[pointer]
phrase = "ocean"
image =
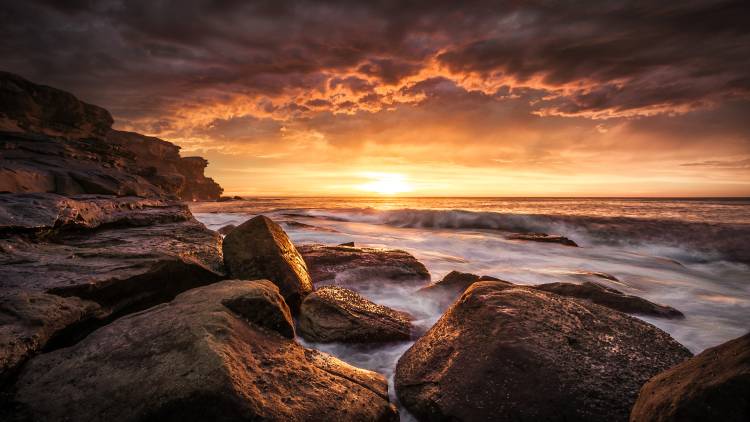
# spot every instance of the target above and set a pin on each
(692, 254)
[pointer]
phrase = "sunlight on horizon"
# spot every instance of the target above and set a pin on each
(385, 183)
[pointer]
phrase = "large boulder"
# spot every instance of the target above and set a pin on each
(350, 265)
(71, 264)
(52, 142)
(515, 353)
(611, 298)
(335, 314)
(712, 386)
(199, 358)
(259, 248)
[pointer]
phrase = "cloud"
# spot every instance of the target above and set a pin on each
(722, 164)
(546, 86)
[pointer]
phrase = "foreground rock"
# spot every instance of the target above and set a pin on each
(543, 237)
(259, 248)
(199, 358)
(69, 264)
(712, 386)
(445, 291)
(335, 314)
(346, 264)
(52, 142)
(611, 298)
(515, 353)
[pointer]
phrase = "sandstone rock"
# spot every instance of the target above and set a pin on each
(69, 264)
(46, 212)
(196, 359)
(263, 306)
(611, 298)
(28, 107)
(335, 314)
(357, 265)
(543, 237)
(226, 229)
(52, 142)
(259, 248)
(712, 386)
(516, 353)
(445, 291)
(29, 320)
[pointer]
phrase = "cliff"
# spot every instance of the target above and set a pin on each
(52, 142)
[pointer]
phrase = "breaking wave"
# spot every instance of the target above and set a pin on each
(695, 241)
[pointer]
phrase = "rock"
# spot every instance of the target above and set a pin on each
(29, 320)
(335, 314)
(349, 244)
(264, 307)
(712, 386)
(30, 108)
(259, 248)
(196, 359)
(41, 213)
(71, 264)
(291, 224)
(52, 142)
(226, 198)
(226, 229)
(345, 264)
(515, 353)
(611, 298)
(445, 291)
(543, 237)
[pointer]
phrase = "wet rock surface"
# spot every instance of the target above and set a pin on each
(259, 248)
(52, 142)
(335, 314)
(196, 359)
(450, 287)
(611, 298)
(712, 386)
(515, 353)
(29, 320)
(543, 237)
(352, 264)
(69, 264)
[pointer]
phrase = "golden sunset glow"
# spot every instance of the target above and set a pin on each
(386, 184)
(470, 101)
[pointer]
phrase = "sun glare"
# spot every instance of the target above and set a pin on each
(386, 183)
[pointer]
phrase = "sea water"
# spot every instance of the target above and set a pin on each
(691, 254)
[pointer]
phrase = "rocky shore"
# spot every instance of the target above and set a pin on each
(117, 305)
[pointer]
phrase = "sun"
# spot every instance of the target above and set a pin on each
(385, 183)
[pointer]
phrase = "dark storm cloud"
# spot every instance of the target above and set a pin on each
(597, 59)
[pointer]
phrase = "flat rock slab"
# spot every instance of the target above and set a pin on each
(73, 261)
(335, 314)
(712, 386)
(347, 264)
(515, 353)
(611, 298)
(259, 248)
(197, 359)
(44, 212)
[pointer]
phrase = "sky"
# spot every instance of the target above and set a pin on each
(419, 98)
